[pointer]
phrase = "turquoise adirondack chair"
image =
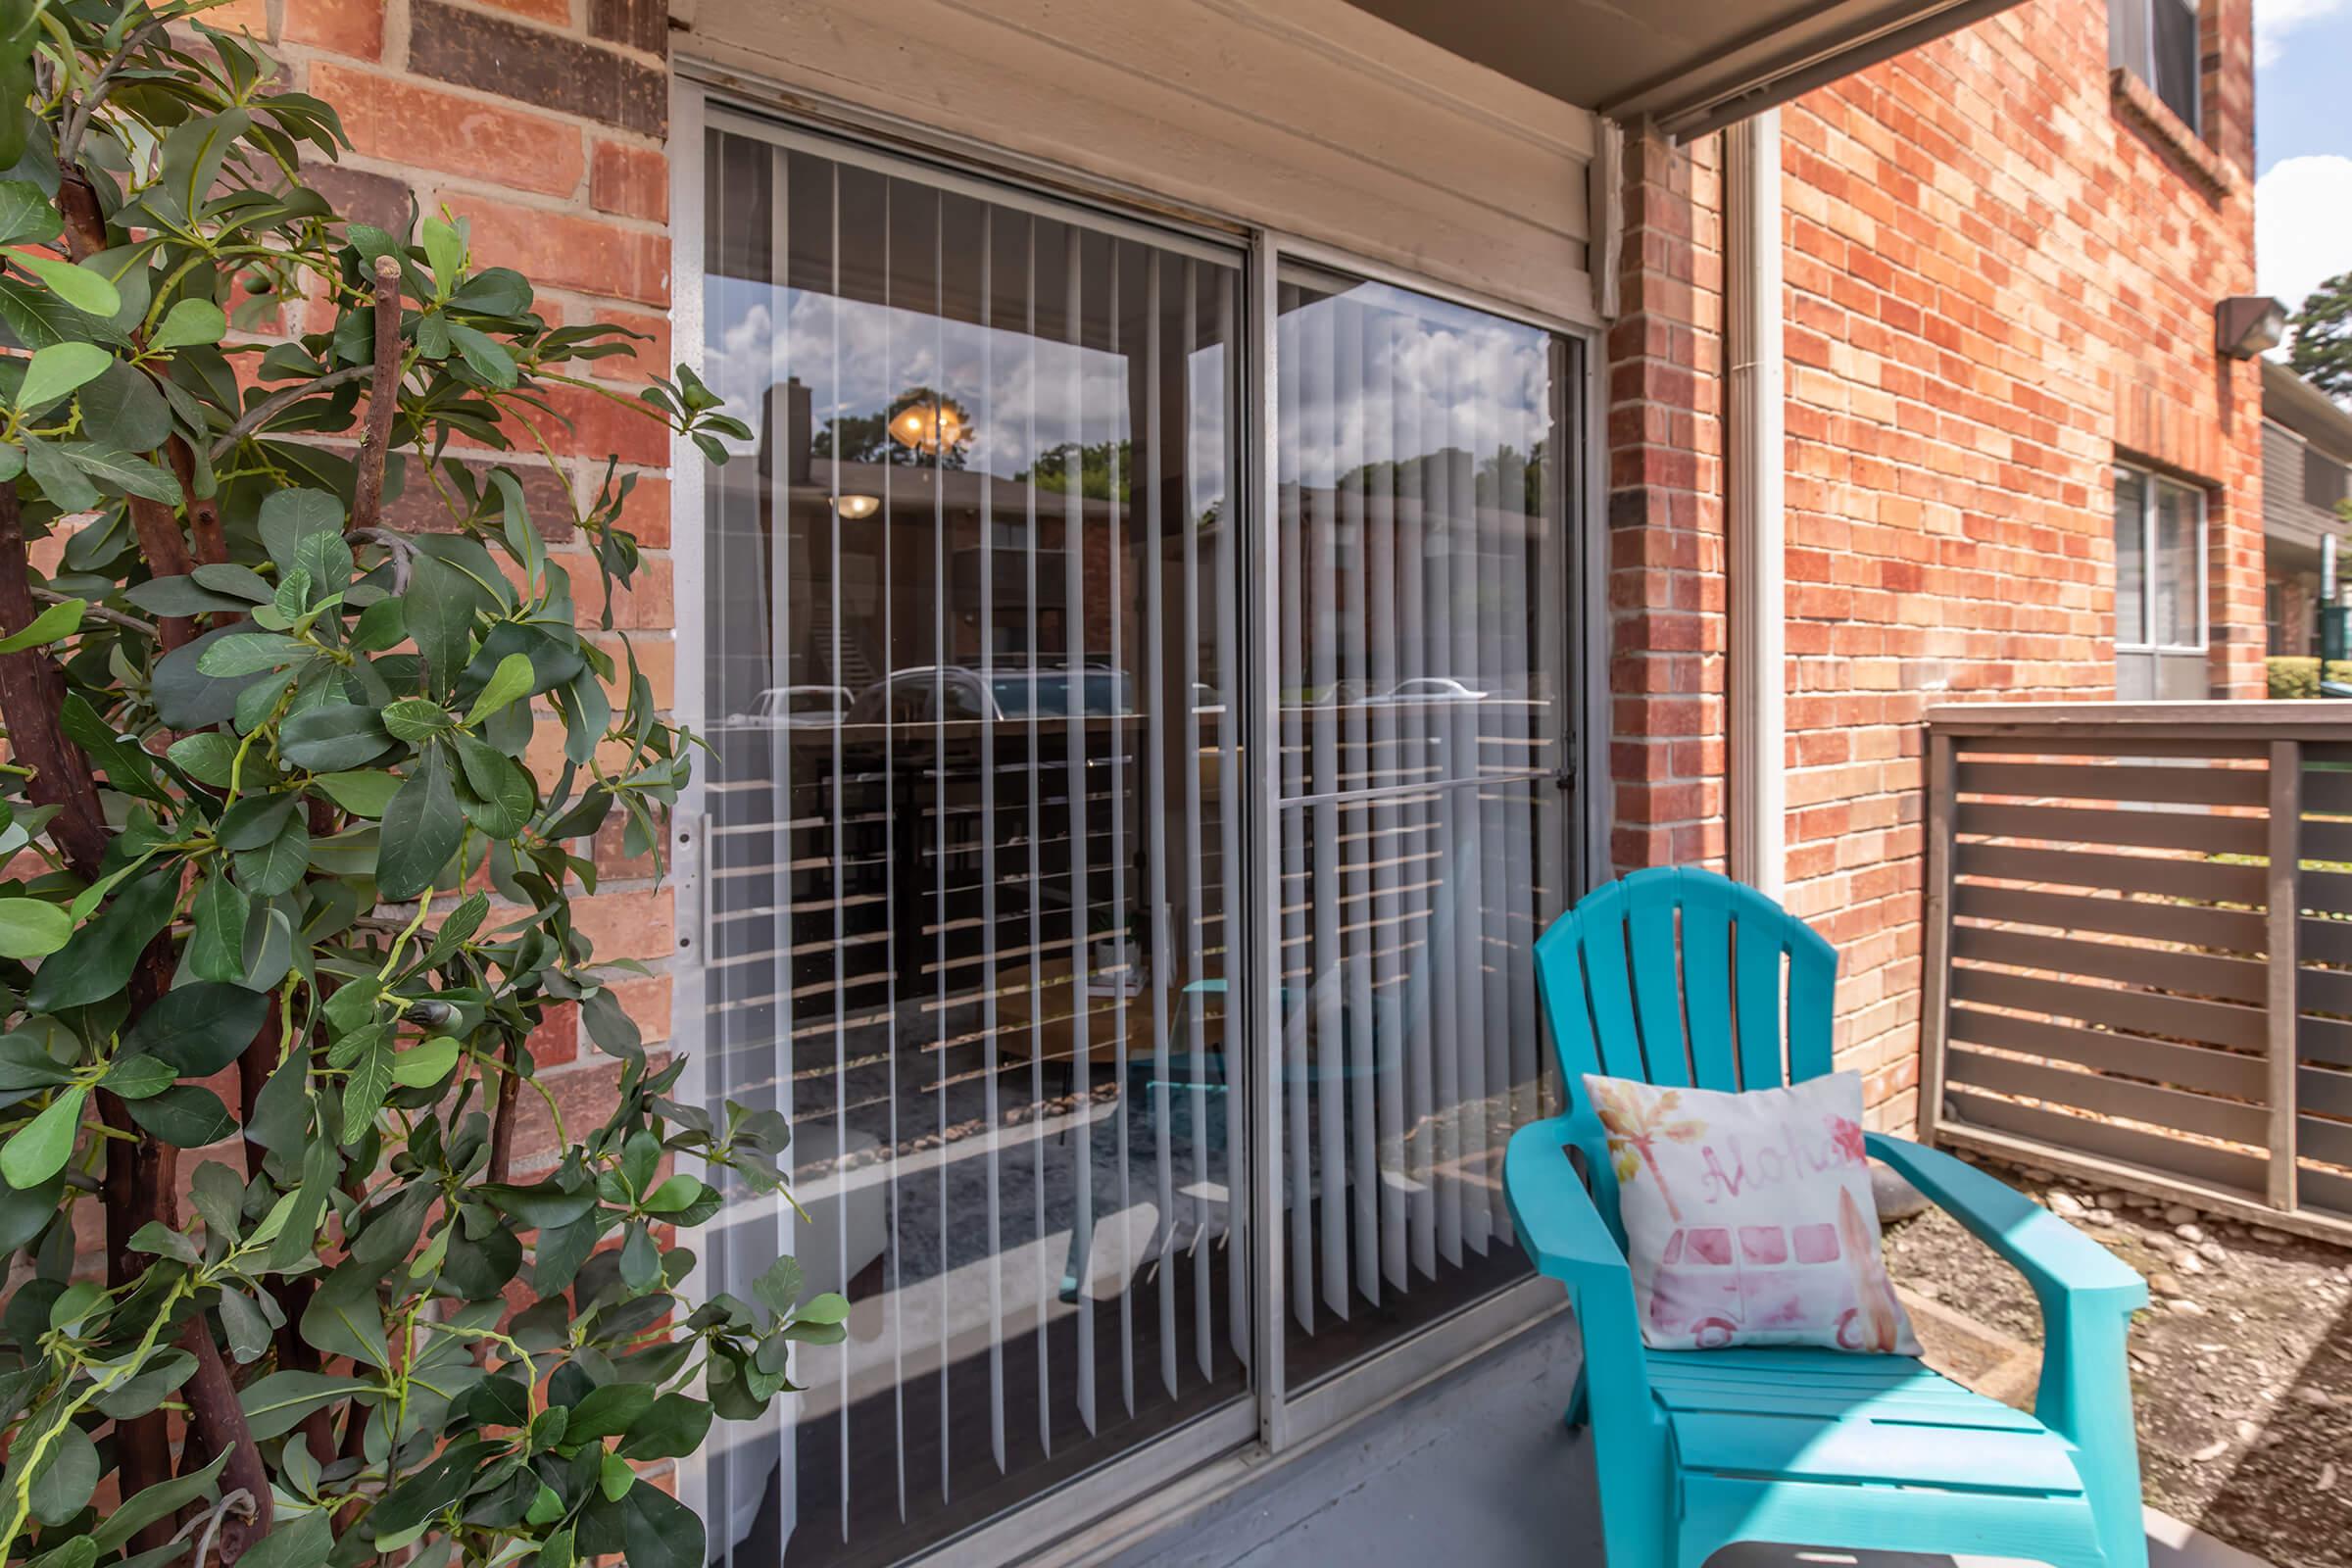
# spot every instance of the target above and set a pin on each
(1698, 1449)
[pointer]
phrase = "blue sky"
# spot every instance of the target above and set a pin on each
(2303, 143)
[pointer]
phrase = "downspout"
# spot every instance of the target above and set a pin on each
(1757, 760)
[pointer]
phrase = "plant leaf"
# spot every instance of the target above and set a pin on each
(56, 621)
(648, 1527)
(360, 793)
(97, 963)
(422, 828)
(334, 738)
(184, 1115)
(345, 1318)
(38, 1150)
(425, 1064)
(673, 1427)
(607, 1411)
(510, 680)
(78, 286)
(57, 371)
(275, 1404)
(189, 321)
(200, 1028)
(120, 470)
(249, 653)
(364, 1088)
(216, 949)
(139, 1077)
(25, 213)
(32, 928)
(67, 1476)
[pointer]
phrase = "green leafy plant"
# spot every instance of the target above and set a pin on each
(2290, 676)
(276, 830)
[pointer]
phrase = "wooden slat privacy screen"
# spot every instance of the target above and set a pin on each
(2138, 960)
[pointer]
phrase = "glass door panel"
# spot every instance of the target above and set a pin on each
(974, 816)
(1421, 683)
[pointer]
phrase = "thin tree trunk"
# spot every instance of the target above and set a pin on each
(32, 693)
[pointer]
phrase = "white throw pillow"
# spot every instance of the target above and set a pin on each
(1748, 1218)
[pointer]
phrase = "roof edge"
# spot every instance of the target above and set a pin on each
(2299, 396)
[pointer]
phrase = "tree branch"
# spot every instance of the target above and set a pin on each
(383, 399)
(167, 551)
(270, 407)
(217, 1421)
(77, 123)
(397, 547)
(90, 611)
(203, 513)
(501, 1123)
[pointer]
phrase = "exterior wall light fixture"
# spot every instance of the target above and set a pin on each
(2248, 324)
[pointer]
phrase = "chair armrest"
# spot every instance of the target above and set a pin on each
(2064, 1266)
(1560, 1228)
(1558, 1225)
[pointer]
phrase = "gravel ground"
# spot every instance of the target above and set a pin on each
(2241, 1368)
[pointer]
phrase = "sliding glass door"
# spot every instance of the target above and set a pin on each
(970, 644)
(1420, 658)
(978, 908)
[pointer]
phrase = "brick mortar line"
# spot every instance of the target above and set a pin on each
(578, 28)
(307, 55)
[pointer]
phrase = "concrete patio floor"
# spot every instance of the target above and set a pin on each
(1477, 1469)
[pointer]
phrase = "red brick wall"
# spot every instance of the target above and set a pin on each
(2000, 278)
(540, 123)
(1665, 512)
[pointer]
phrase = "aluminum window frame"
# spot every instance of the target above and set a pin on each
(2152, 485)
(2131, 45)
(1266, 1421)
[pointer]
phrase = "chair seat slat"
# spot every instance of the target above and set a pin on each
(1874, 1452)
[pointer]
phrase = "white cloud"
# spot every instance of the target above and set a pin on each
(2274, 20)
(2303, 224)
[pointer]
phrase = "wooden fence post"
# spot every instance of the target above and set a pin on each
(1936, 971)
(2285, 906)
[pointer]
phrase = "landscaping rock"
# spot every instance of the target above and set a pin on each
(1895, 1197)
(2271, 1318)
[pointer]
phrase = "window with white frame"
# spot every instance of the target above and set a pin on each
(2156, 40)
(2159, 563)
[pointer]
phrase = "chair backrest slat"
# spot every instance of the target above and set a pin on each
(1756, 957)
(1707, 983)
(1606, 971)
(1812, 990)
(1658, 991)
(1672, 976)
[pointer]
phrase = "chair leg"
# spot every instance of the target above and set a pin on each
(1579, 1403)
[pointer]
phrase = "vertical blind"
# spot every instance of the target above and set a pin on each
(976, 691)
(971, 641)
(1420, 679)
